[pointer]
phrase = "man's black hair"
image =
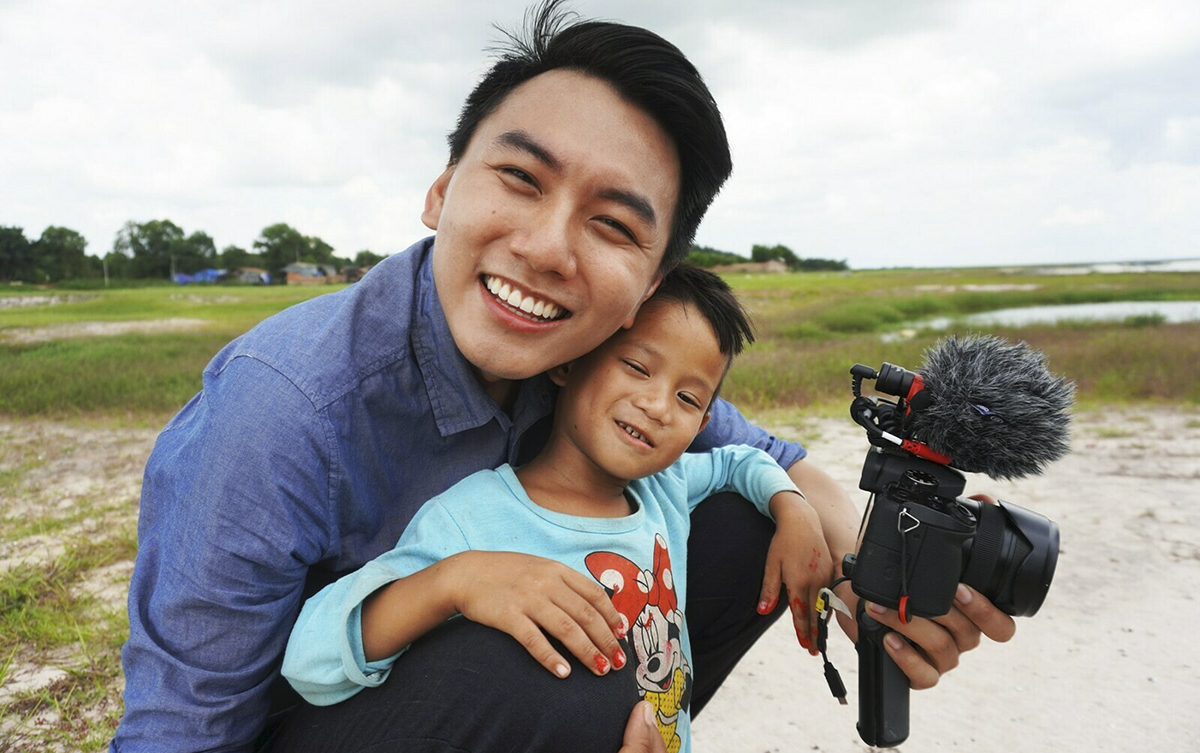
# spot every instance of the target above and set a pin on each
(716, 302)
(646, 70)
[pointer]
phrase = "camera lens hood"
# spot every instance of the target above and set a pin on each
(1013, 557)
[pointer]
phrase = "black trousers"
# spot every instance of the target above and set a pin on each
(466, 687)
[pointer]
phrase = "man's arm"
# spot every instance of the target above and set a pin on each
(234, 505)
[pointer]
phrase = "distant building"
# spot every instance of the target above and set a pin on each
(303, 273)
(252, 276)
(774, 266)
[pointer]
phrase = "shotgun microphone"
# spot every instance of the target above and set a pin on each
(992, 406)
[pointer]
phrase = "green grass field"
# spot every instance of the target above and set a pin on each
(812, 328)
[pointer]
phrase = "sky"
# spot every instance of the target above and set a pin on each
(886, 134)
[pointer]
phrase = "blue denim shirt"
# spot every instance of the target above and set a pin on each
(315, 439)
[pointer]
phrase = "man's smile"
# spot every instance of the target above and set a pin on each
(523, 303)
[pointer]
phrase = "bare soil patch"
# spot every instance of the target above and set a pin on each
(69, 330)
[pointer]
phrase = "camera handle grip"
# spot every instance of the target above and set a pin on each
(882, 687)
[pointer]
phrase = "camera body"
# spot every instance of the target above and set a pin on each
(921, 539)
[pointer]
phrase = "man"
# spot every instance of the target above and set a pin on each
(579, 171)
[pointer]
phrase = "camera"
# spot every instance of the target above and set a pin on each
(920, 538)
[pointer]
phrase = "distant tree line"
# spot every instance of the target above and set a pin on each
(155, 250)
(703, 256)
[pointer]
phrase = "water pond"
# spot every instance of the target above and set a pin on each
(1169, 312)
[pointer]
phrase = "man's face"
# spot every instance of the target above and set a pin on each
(552, 225)
(633, 405)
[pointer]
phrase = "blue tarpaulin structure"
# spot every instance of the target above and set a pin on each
(203, 276)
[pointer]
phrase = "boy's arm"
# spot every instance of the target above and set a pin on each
(348, 636)
(799, 556)
(749, 471)
(350, 633)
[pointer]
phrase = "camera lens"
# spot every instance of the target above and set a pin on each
(1012, 557)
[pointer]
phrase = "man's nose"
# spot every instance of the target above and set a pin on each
(548, 245)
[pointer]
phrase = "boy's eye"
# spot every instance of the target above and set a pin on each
(636, 366)
(691, 400)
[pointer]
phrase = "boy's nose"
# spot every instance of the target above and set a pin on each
(654, 404)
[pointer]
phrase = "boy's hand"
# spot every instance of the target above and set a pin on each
(799, 559)
(524, 595)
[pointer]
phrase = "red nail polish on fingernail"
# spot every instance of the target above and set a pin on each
(619, 659)
(800, 637)
(600, 663)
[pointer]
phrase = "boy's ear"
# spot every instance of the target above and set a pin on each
(435, 198)
(558, 374)
(704, 421)
(658, 278)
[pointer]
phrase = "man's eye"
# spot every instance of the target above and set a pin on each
(519, 174)
(617, 226)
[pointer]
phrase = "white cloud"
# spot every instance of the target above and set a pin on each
(1069, 215)
(933, 132)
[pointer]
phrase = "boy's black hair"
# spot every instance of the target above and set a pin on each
(646, 70)
(715, 301)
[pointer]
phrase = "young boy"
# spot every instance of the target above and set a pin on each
(609, 495)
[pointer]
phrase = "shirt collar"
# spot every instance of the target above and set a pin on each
(458, 401)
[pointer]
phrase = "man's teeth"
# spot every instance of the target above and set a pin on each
(526, 303)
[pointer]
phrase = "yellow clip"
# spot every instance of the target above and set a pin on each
(827, 601)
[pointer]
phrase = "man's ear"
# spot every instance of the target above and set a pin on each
(658, 278)
(558, 374)
(435, 198)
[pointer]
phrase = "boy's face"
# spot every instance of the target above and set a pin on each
(633, 405)
(562, 203)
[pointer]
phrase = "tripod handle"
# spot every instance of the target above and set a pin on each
(882, 687)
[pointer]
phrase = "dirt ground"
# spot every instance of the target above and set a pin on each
(1108, 664)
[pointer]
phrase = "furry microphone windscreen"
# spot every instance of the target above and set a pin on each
(994, 407)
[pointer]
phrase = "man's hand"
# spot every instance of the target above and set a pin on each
(641, 733)
(524, 595)
(937, 643)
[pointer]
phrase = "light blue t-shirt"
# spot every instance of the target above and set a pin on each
(630, 556)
